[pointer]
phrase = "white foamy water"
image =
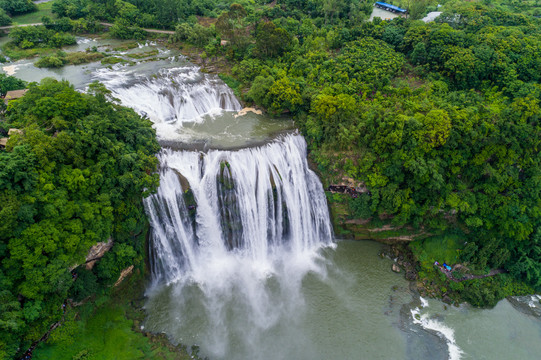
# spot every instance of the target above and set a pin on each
(238, 227)
(172, 97)
(535, 301)
(252, 203)
(442, 330)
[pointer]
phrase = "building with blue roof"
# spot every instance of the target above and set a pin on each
(389, 7)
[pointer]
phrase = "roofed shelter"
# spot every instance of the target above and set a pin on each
(391, 8)
(14, 94)
(4, 140)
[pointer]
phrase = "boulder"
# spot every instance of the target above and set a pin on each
(395, 268)
(96, 252)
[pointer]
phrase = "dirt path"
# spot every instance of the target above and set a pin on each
(147, 30)
(12, 26)
(450, 276)
(170, 32)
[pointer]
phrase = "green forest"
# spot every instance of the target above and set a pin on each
(439, 121)
(75, 175)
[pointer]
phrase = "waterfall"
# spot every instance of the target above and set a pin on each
(251, 203)
(233, 233)
(172, 96)
(233, 236)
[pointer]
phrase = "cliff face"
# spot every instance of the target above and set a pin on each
(348, 224)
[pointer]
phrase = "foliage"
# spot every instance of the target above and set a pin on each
(44, 9)
(194, 34)
(27, 37)
(123, 30)
(5, 20)
(272, 41)
(108, 327)
(440, 122)
(74, 58)
(17, 7)
(8, 83)
(56, 200)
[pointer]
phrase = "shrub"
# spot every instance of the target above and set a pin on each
(52, 61)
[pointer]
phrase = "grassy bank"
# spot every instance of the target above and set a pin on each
(465, 283)
(108, 327)
(44, 9)
(416, 251)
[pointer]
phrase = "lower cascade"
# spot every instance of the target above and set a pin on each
(252, 203)
(233, 235)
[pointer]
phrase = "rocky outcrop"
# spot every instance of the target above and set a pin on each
(246, 110)
(14, 131)
(96, 252)
(127, 271)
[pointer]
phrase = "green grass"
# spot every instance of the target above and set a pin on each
(106, 335)
(44, 9)
(104, 329)
(444, 248)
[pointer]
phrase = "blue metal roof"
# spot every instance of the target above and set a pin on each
(391, 6)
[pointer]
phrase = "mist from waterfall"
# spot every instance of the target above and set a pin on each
(236, 230)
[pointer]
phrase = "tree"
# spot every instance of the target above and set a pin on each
(76, 175)
(5, 20)
(285, 95)
(271, 41)
(8, 83)
(17, 7)
(231, 26)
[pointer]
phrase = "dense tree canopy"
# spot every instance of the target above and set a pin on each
(17, 7)
(75, 176)
(439, 120)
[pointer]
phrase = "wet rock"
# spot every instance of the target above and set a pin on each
(446, 299)
(395, 268)
(411, 275)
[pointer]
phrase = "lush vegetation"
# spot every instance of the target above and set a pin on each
(34, 17)
(62, 58)
(76, 175)
(27, 37)
(440, 121)
(5, 20)
(108, 327)
(17, 7)
(531, 7)
(8, 83)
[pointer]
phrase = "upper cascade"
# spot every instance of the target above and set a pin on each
(172, 96)
(253, 203)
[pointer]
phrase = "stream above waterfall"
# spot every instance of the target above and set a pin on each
(243, 260)
(189, 109)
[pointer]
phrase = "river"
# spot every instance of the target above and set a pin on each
(244, 263)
